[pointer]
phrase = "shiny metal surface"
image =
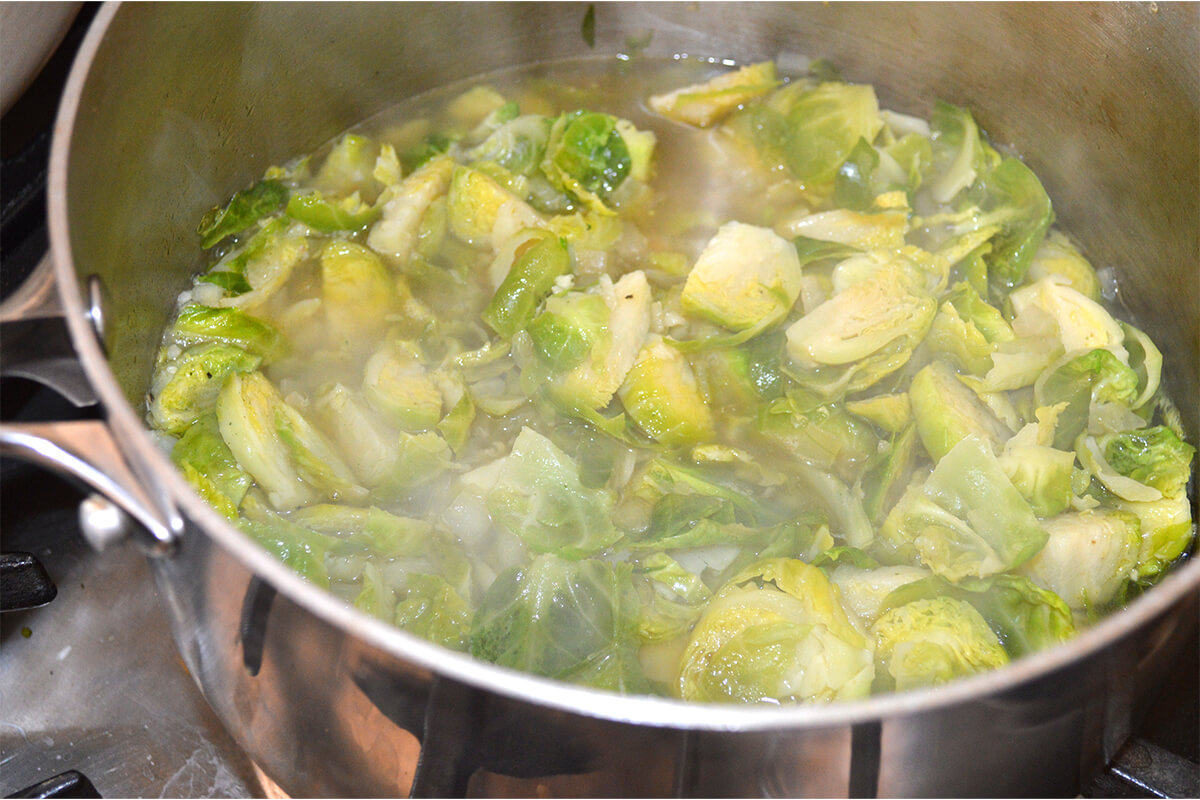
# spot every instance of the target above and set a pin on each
(96, 686)
(331, 702)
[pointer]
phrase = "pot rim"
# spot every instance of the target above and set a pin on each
(151, 463)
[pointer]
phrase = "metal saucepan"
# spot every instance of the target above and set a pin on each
(170, 108)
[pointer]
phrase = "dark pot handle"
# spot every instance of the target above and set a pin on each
(35, 344)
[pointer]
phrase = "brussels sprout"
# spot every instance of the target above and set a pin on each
(1080, 381)
(210, 467)
(243, 210)
(882, 229)
(570, 326)
(187, 387)
(535, 493)
(592, 383)
(975, 310)
(641, 149)
(396, 232)
(889, 473)
(819, 434)
(1088, 558)
(959, 341)
(302, 550)
(314, 457)
(776, 633)
(891, 412)
(1057, 256)
(867, 173)
(1166, 531)
(746, 277)
(428, 606)
(482, 213)
(356, 290)
(864, 590)
(529, 280)
(246, 411)
(587, 157)
(1146, 361)
(823, 124)
(946, 411)
(861, 334)
(197, 323)
(702, 104)
(322, 214)
(363, 439)
(967, 518)
(930, 642)
(959, 154)
(1083, 324)
(1041, 474)
(1012, 197)
(672, 598)
(1091, 456)
(661, 395)
(518, 145)
(1153, 456)
(1026, 617)
(421, 457)
(349, 168)
(473, 105)
(398, 387)
(563, 619)
(388, 534)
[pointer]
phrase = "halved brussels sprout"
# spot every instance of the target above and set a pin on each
(776, 633)
(357, 293)
(862, 333)
(930, 642)
(702, 104)
(1089, 557)
(395, 234)
(661, 395)
(947, 411)
(967, 519)
(747, 276)
(397, 386)
(187, 387)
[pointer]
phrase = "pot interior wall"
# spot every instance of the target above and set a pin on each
(187, 103)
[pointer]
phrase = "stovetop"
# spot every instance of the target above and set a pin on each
(92, 682)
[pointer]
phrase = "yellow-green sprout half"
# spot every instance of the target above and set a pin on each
(947, 411)
(287, 457)
(747, 276)
(398, 387)
(1083, 324)
(1057, 256)
(867, 330)
(187, 388)
(702, 104)
(483, 213)
(930, 642)
(776, 633)
(593, 382)
(395, 234)
(1089, 557)
(661, 395)
(356, 291)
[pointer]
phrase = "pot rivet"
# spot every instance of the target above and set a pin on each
(102, 523)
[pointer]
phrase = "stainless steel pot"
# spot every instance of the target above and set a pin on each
(172, 107)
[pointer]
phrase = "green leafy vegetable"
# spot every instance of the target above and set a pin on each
(243, 210)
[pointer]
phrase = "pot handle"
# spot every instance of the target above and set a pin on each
(35, 344)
